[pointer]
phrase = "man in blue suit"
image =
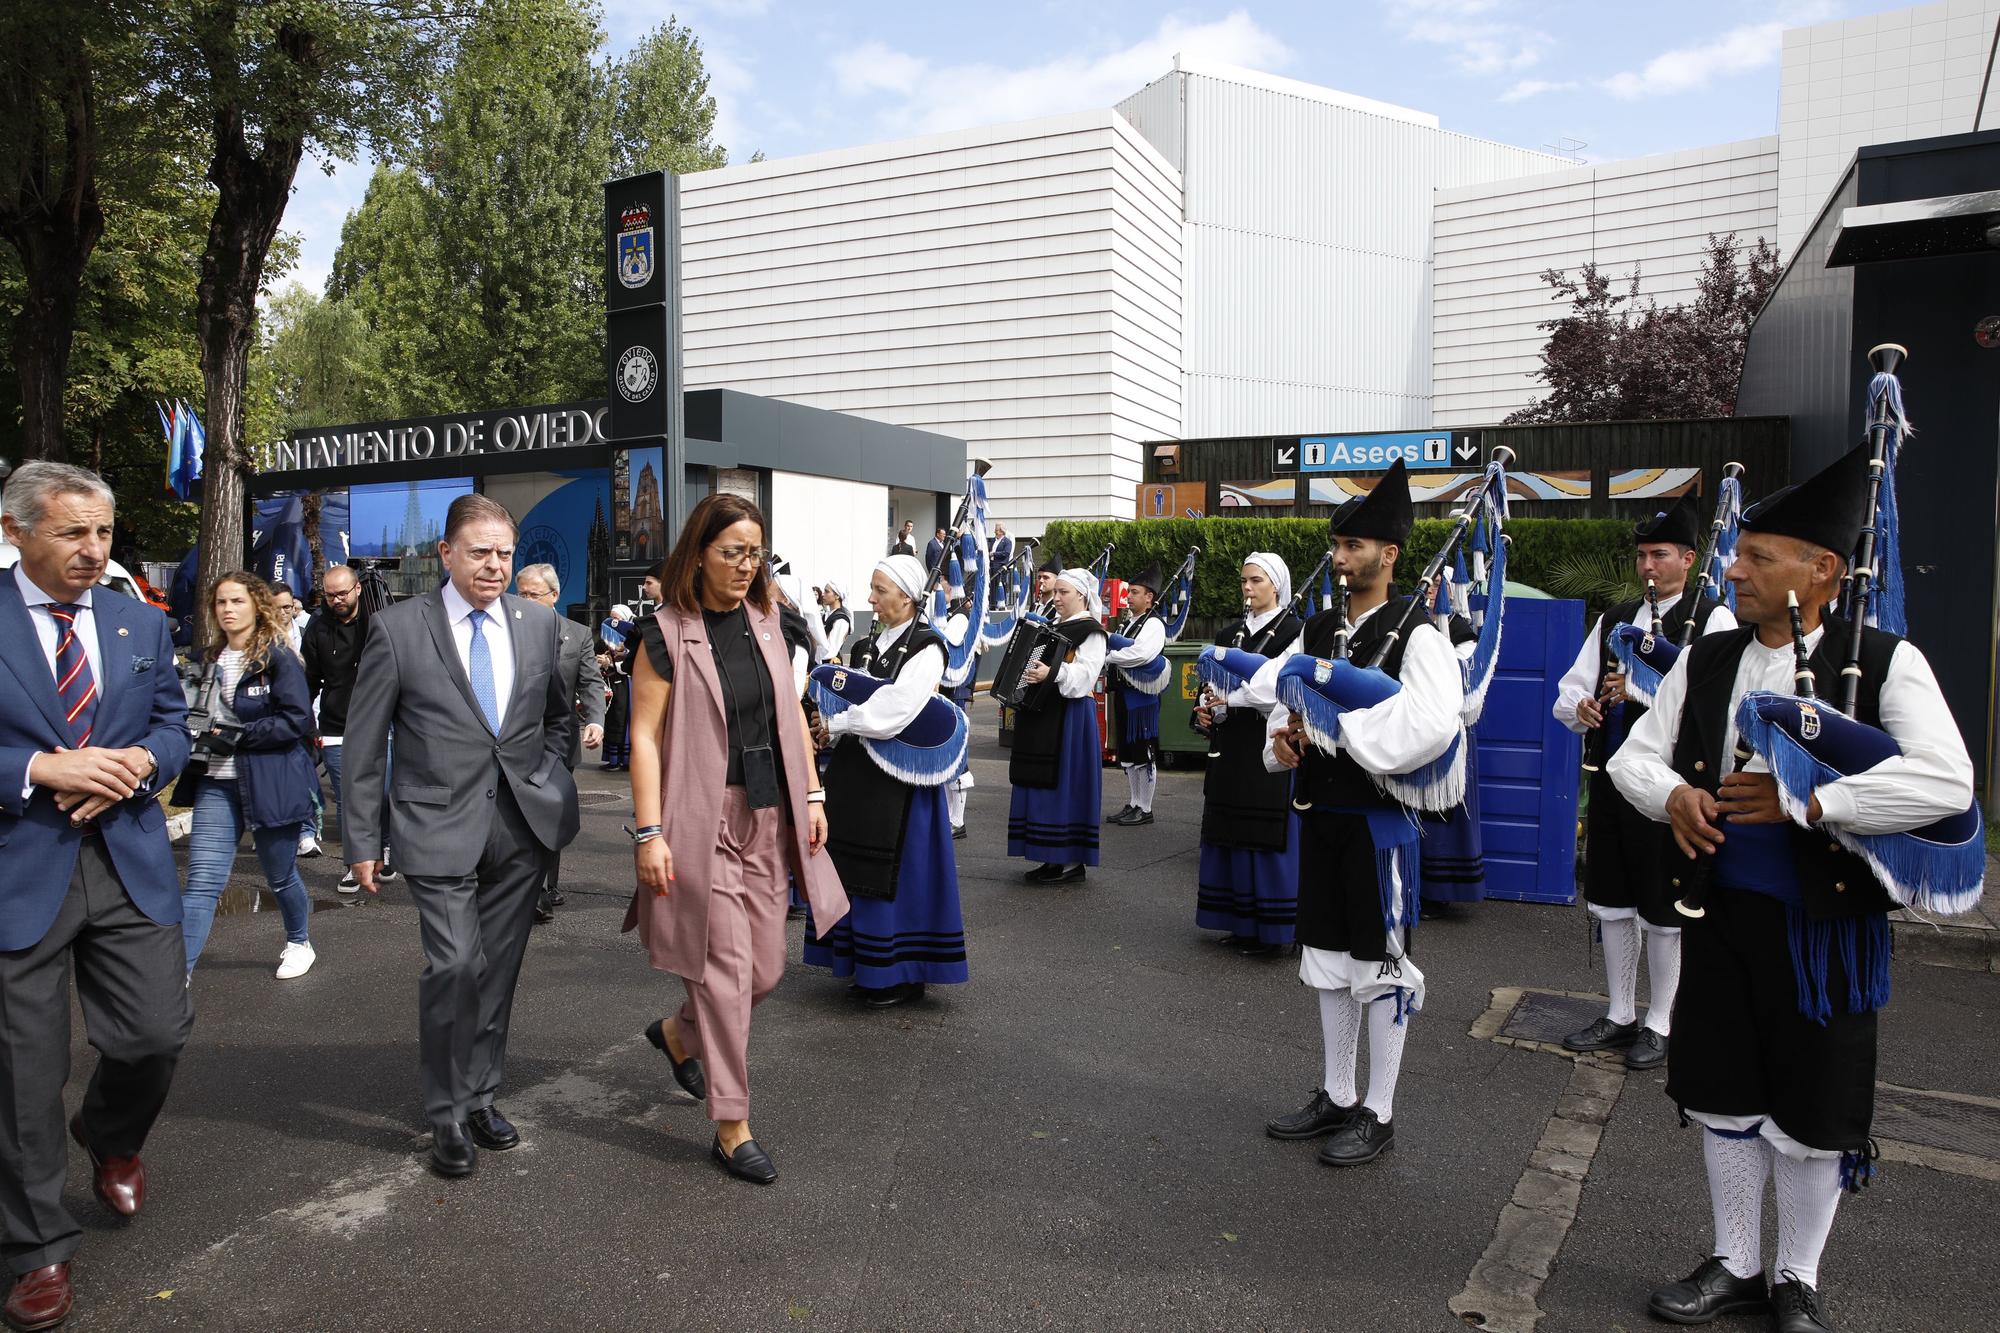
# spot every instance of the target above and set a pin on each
(92, 725)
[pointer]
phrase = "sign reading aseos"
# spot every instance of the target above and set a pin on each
(1373, 452)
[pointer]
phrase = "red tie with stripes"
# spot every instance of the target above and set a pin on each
(74, 683)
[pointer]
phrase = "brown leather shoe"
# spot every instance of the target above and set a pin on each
(120, 1181)
(40, 1299)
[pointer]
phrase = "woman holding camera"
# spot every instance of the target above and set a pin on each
(258, 773)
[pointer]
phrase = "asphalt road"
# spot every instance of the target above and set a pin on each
(1070, 1141)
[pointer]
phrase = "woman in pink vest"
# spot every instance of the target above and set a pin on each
(722, 753)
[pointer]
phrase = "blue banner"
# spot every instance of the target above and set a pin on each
(279, 550)
(1374, 452)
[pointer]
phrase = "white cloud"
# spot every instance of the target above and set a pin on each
(1478, 37)
(1691, 68)
(934, 98)
(1524, 89)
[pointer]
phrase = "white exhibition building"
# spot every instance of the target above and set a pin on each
(1228, 253)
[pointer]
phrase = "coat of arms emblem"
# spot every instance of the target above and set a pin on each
(635, 246)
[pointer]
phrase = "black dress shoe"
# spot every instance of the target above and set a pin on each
(1067, 874)
(1132, 817)
(1250, 948)
(1321, 1115)
(1603, 1035)
(555, 897)
(1119, 817)
(1648, 1051)
(749, 1162)
(1795, 1307)
(545, 910)
(957, 832)
(1708, 1293)
(688, 1072)
(888, 997)
(1362, 1139)
(452, 1153)
(491, 1130)
(1042, 874)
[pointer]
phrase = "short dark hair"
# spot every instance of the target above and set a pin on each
(680, 580)
(658, 573)
(475, 508)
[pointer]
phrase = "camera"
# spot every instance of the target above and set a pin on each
(212, 741)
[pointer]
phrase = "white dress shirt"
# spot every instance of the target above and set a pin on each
(893, 707)
(1932, 778)
(499, 636)
(1147, 644)
(1585, 674)
(49, 633)
(1078, 679)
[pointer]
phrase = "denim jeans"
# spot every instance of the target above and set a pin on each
(218, 827)
(330, 756)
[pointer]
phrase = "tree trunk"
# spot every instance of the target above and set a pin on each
(54, 221)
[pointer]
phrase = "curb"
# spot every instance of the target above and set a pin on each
(1967, 947)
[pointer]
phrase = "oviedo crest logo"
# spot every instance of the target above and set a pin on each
(1808, 721)
(638, 373)
(635, 246)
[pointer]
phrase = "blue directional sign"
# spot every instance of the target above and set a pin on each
(1374, 452)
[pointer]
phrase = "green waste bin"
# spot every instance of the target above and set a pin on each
(1180, 743)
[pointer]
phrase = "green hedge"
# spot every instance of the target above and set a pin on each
(1539, 544)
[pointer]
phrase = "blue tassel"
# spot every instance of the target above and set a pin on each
(1857, 1168)
(1809, 940)
(1485, 660)
(1886, 598)
(1403, 1009)
(1863, 944)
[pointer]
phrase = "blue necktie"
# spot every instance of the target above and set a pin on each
(482, 673)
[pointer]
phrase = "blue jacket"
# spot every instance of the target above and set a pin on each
(275, 776)
(140, 703)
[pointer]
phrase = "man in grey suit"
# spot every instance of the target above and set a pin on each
(583, 682)
(481, 798)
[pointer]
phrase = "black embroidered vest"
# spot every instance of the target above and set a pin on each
(868, 810)
(1244, 805)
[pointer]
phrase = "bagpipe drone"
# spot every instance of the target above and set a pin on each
(1807, 743)
(961, 573)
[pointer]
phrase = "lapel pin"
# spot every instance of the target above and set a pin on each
(122, 631)
(517, 615)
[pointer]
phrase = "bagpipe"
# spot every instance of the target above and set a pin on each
(926, 753)
(961, 570)
(1012, 596)
(1319, 691)
(1034, 639)
(1152, 677)
(1938, 868)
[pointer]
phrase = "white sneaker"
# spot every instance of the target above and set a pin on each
(348, 884)
(295, 961)
(385, 872)
(308, 846)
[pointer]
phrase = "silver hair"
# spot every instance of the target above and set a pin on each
(33, 485)
(546, 573)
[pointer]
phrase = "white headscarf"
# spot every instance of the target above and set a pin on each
(794, 592)
(1084, 582)
(1277, 570)
(906, 572)
(833, 586)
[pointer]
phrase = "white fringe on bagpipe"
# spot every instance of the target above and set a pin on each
(962, 654)
(1642, 680)
(1150, 678)
(926, 766)
(1437, 787)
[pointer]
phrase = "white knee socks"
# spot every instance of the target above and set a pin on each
(954, 804)
(1621, 966)
(1385, 1056)
(1340, 1029)
(1808, 1192)
(1663, 973)
(1141, 780)
(1736, 1171)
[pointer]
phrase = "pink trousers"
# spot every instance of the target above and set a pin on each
(746, 951)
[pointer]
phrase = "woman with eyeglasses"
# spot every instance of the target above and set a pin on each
(259, 775)
(724, 779)
(1056, 765)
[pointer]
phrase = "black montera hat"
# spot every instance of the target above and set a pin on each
(1680, 525)
(1827, 509)
(1148, 578)
(1052, 565)
(1383, 514)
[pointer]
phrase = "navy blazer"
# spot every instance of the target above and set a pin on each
(139, 703)
(275, 777)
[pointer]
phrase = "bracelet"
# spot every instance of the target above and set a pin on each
(817, 796)
(641, 839)
(645, 832)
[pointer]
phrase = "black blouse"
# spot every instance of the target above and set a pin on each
(749, 704)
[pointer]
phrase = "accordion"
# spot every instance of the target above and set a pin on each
(1034, 640)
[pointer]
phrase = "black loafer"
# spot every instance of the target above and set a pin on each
(1133, 817)
(491, 1130)
(1042, 874)
(1256, 949)
(1795, 1308)
(1648, 1051)
(1067, 874)
(888, 997)
(1603, 1035)
(1362, 1139)
(1322, 1115)
(452, 1153)
(545, 910)
(1119, 817)
(687, 1072)
(749, 1162)
(1707, 1294)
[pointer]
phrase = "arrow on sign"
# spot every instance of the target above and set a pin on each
(1287, 457)
(1467, 451)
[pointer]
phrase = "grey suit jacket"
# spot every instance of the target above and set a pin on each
(448, 763)
(582, 681)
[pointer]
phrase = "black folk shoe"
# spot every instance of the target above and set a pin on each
(1132, 817)
(1603, 1035)
(1647, 1051)
(1119, 817)
(1361, 1140)
(1319, 1117)
(1795, 1307)
(1707, 1294)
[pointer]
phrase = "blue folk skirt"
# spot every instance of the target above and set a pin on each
(1059, 825)
(1253, 895)
(917, 936)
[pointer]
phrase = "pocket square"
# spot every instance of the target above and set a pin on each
(141, 664)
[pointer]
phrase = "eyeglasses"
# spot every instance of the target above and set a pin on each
(742, 555)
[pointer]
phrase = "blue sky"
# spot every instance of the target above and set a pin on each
(1625, 79)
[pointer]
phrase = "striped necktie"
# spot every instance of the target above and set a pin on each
(76, 687)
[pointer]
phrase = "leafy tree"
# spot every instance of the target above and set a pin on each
(323, 362)
(1615, 358)
(663, 116)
